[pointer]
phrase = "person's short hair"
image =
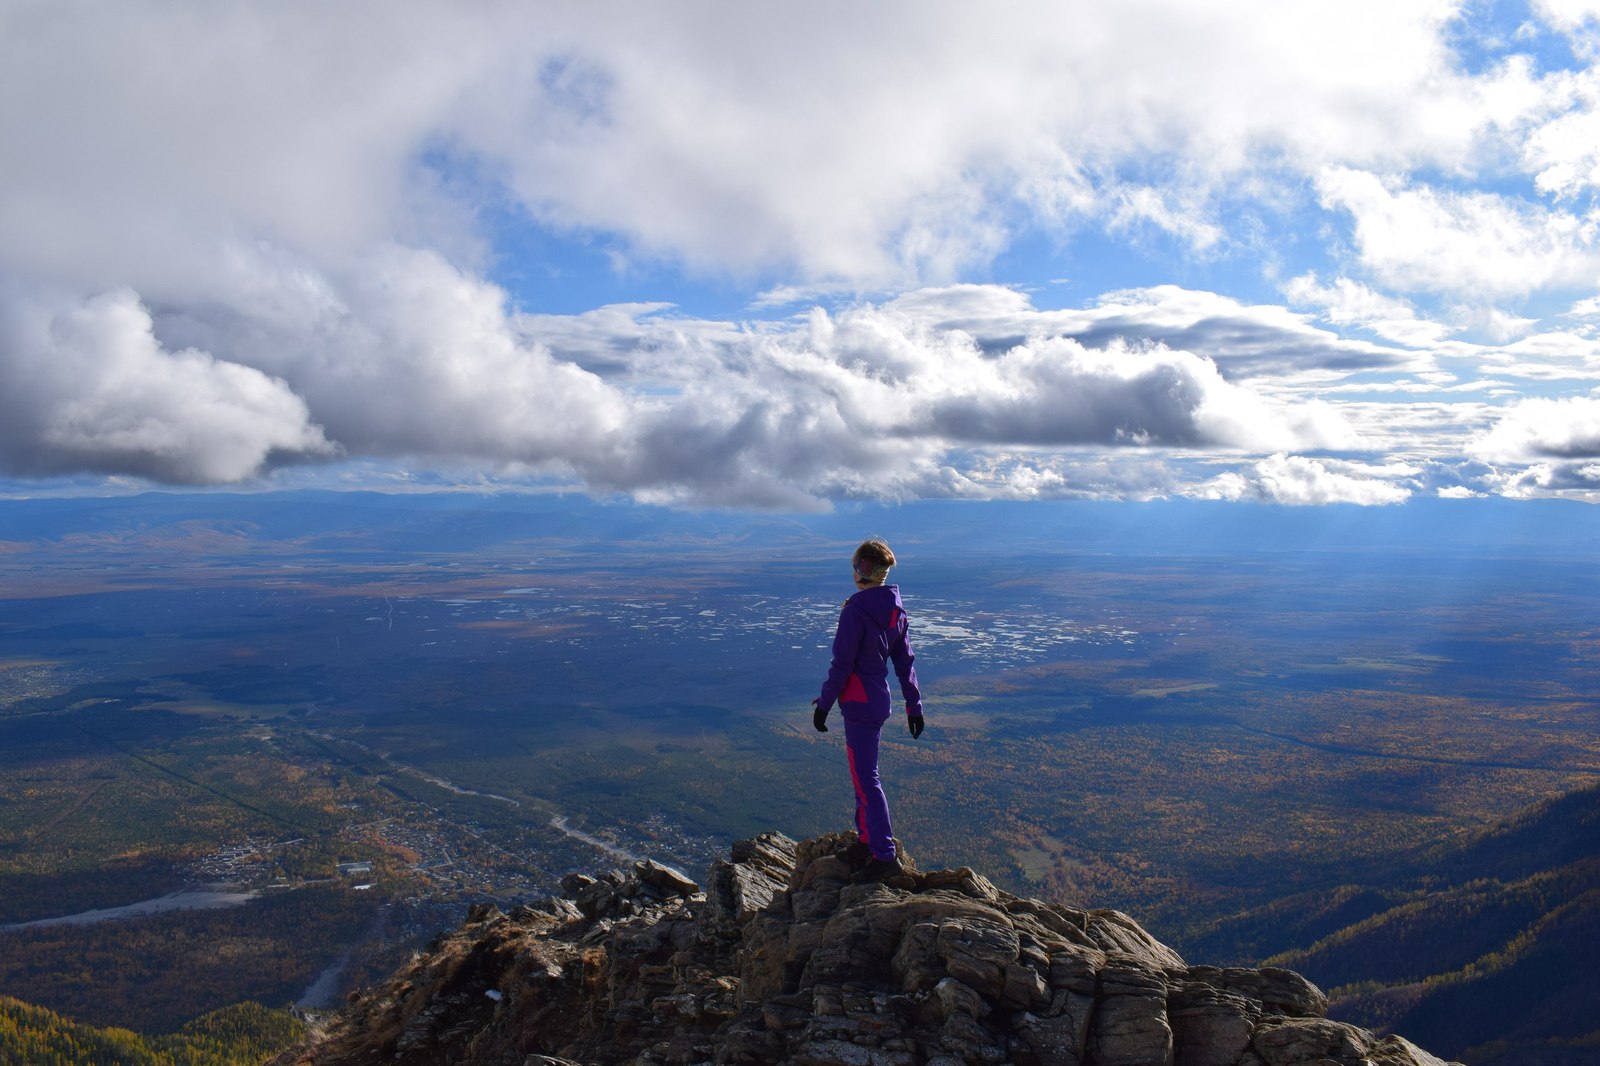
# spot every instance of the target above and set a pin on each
(873, 555)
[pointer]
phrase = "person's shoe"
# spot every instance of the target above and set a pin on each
(878, 870)
(856, 855)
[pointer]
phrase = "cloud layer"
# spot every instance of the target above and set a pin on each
(236, 239)
(409, 359)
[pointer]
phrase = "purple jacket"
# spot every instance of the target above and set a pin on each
(872, 632)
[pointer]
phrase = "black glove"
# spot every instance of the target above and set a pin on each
(914, 723)
(819, 717)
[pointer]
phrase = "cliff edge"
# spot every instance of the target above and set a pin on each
(781, 961)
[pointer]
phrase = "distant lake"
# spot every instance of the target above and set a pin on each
(193, 900)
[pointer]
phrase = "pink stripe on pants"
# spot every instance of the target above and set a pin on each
(861, 729)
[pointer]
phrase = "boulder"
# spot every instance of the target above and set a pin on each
(664, 879)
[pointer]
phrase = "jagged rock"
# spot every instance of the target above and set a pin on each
(1304, 1041)
(1211, 1025)
(664, 879)
(554, 906)
(574, 883)
(783, 962)
(1129, 1025)
(1398, 1051)
(747, 883)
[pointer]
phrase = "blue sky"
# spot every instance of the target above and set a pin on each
(778, 256)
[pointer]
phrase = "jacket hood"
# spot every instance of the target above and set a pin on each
(879, 603)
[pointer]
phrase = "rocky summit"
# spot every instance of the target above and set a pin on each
(783, 960)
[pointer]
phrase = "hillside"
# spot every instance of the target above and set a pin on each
(783, 961)
(1479, 948)
(241, 1035)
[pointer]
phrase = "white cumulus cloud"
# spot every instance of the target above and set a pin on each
(1479, 244)
(1535, 429)
(1297, 480)
(89, 388)
(407, 357)
(887, 144)
(1347, 302)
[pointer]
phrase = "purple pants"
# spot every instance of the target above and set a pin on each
(862, 725)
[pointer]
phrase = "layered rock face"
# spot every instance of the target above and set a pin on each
(783, 962)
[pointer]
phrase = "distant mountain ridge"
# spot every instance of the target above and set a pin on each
(1482, 948)
(783, 961)
(344, 521)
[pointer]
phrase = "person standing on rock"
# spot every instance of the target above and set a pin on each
(872, 633)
